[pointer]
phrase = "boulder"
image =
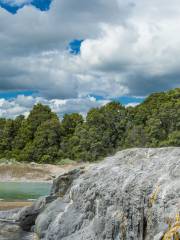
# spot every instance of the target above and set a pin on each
(133, 195)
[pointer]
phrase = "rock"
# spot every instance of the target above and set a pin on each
(52, 176)
(27, 216)
(9, 231)
(134, 195)
(159, 236)
(11, 215)
(33, 163)
(62, 183)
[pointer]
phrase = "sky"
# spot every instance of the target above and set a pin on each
(75, 55)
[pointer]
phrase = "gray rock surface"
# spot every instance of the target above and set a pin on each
(9, 215)
(62, 183)
(133, 195)
(26, 217)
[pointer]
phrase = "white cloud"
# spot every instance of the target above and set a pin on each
(33, 31)
(130, 48)
(16, 2)
(33, 44)
(23, 104)
(10, 109)
(133, 104)
(139, 55)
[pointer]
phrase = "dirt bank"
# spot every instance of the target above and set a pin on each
(33, 172)
(13, 205)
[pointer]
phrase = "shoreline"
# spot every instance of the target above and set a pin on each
(7, 205)
(25, 181)
(28, 172)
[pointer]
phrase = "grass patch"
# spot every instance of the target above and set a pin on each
(65, 161)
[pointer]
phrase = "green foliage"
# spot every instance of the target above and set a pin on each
(43, 138)
(102, 132)
(154, 120)
(23, 137)
(173, 139)
(65, 161)
(38, 115)
(70, 122)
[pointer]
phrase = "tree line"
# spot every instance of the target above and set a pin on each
(42, 137)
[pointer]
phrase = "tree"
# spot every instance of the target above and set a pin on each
(46, 142)
(8, 134)
(102, 131)
(23, 136)
(173, 139)
(39, 114)
(70, 122)
(43, 138)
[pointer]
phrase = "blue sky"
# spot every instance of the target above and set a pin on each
(13, 94)
(74, 55)
(74, 46)
(123, 100)
(12, 7)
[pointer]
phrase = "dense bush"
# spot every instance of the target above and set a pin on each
(43, 138)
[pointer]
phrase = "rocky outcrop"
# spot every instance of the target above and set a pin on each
(27, 216)
(134, 195)
(62, 183)
(10, 228)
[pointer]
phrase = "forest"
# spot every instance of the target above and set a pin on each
(44, 138)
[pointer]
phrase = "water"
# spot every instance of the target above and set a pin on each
(16, 192)
(11, 191)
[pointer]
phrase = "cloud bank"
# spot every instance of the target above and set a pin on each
(130, 48)
(21, 105)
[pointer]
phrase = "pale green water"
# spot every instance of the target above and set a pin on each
(13, 191)
(20, 191)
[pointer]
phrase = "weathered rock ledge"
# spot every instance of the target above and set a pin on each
(133, 195)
